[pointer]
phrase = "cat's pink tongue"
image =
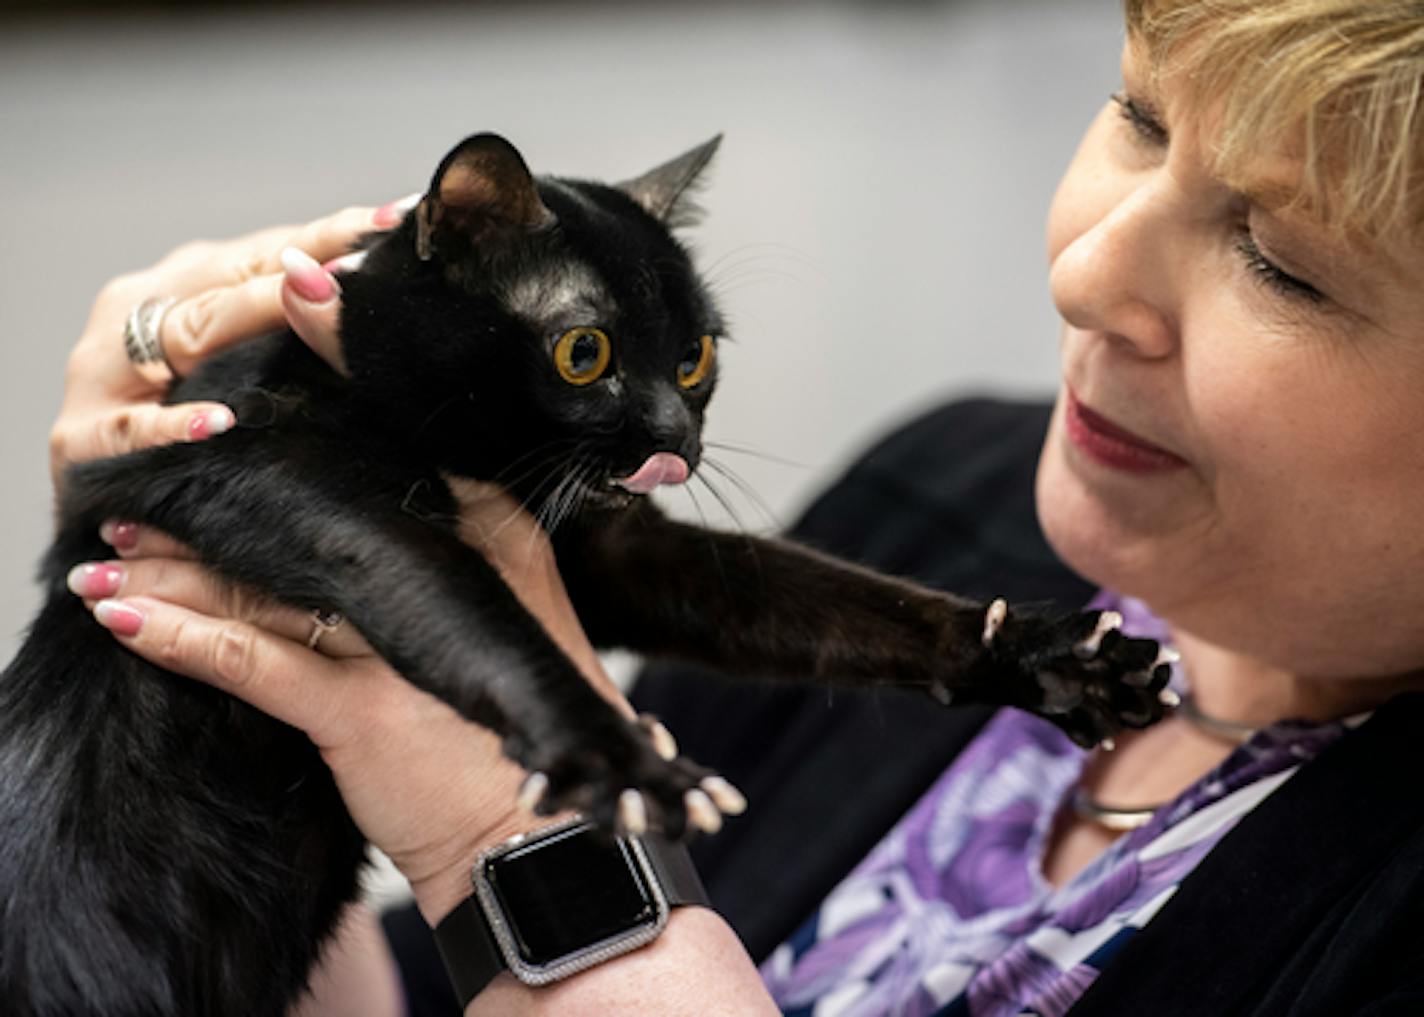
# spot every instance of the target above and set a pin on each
(660, 468)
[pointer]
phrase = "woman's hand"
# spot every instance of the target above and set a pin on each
(226, 292)
(427, 787)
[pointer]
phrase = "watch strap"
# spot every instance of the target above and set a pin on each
(469, 950)
(472, 956)
(672, 864)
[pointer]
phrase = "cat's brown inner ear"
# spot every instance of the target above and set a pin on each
(481, 188)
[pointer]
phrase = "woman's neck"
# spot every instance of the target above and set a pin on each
(1233, 687)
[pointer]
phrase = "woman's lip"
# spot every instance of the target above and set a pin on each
(1111, 445)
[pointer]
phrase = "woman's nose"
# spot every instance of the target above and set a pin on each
(1114, 275)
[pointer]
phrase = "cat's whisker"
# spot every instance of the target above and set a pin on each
(767, 250)
(731, 511)
(551, 510)
(748, 492)
(726, 292)
(711, 540)
(551, 507)
(747, 450)
(526, 504)
(564, 500)
(461, 397)
(758, 275)
(722, 500)
(502, 477)
(759, 272)
(767, 265)
(548, 462)
(561, 503)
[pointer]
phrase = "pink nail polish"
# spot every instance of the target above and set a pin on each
(95, 579)
(210, 422)
(392, 212)
(307, 279)
(118, 617)
(120, 535)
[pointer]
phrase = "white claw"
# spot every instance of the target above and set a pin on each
(633, 812)
(1107, 745)
(1166, 655)
(531, 792)
(1108, 621)
(664, 744)
(994, 620)
(725, 795)
(701, 812)
(1169, 699)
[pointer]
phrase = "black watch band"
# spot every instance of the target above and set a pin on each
(479, 938)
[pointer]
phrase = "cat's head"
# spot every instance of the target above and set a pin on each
(548, 334)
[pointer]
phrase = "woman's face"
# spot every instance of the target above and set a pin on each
(1240, 435)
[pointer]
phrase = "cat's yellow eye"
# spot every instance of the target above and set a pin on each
(582, 355)
(696, 362)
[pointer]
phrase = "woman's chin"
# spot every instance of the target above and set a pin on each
(1108, 531)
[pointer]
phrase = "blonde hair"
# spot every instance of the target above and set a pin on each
(1340, 83)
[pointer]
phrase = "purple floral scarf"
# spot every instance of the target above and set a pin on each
(951, 915)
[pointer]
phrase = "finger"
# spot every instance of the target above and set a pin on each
(310, 299)
(131, 540)
(204, 265)
(155, 565)
(215, 319)
(209, 264)
(141, 426)
(277, 676)
(336, 234)
(323, 239)
(185, 583)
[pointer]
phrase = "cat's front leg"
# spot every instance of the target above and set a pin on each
(773, 608)
(354, 541)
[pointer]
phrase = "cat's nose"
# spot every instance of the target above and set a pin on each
(672, 428)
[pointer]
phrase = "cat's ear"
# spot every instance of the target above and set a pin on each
(666, 192)
(481, 188)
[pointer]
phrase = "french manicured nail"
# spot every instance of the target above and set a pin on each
(116, 616)
(346, 263)
(391, 213)
(95, 579)
(120, 535)
(310, 281)
(211, 422)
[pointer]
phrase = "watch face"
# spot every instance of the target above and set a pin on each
(567, 892)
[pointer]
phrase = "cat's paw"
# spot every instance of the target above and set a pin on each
(627, 777)
(1077, 670)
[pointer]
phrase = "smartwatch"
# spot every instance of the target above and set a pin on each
(558, 900)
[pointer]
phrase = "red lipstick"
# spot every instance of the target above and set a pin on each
(1113, 446)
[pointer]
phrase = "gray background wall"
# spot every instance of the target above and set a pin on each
(875, 216)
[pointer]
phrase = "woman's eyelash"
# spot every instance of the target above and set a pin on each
(1268, 273)
(1142, 119)
(1149, 129)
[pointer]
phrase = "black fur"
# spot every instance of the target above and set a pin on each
(166, 850)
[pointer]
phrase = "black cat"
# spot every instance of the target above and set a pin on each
(166, 850)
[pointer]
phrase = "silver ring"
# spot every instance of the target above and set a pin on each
(322, 623)
(141, 343)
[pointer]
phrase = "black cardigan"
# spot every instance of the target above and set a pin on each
(1312, 905)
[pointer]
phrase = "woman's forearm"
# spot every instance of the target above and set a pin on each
(696, 968)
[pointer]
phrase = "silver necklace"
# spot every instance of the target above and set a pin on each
(1121, 820)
